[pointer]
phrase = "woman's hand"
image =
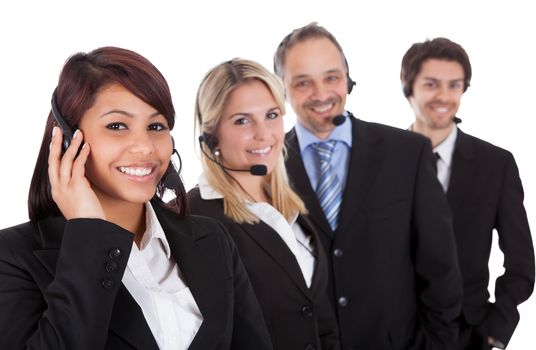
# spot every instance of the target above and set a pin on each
(70, 188)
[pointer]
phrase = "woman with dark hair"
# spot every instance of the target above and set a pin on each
(103, 263)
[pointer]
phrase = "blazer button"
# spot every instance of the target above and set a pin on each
(111, 266)
(338, 252)
(107, 283)
(343, 301)
(310, 347)
(114, 253)
(307, 311)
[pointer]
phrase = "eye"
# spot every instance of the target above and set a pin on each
(116, 126)
(430, 84)
(302, 84)
(241, 121)
(456, 85)
(272, 115)
(332, 78)
(157, 127)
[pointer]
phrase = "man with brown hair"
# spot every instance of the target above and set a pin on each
(372, 194)
(484, 192)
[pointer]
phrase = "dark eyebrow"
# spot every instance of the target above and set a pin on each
(127, 114)
(450, 81)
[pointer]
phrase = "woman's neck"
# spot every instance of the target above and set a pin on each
(252, 187)
(130, 216)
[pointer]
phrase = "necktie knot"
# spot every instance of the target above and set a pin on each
(325, 149)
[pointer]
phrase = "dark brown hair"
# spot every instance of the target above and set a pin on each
(83, 76)
(438, 48)
(310, 31)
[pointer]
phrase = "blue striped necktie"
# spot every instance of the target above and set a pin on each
(329, 188)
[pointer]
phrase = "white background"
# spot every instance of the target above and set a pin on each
(185, 39)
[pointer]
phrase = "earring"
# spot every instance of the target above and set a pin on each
(217, 152)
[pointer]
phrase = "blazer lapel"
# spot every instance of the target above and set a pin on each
(364, 165)
(128, 322)
(302, 185)
(274, 246)
(463, 170)
(318, 249)
(198, 255)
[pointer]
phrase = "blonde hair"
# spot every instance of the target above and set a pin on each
(213, 93)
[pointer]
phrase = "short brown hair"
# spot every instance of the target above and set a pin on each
(438, 48)
(310, 31)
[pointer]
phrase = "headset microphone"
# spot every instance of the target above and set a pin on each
(338, 120)
(257, 169)
(457, 120)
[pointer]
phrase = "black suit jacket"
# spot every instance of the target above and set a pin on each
(60, 286)
(395, 280)
(297, 317)
(485, 193)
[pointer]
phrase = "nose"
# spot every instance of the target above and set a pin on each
(141, 142)
(321, 92)
(443, 93)
(262, 131)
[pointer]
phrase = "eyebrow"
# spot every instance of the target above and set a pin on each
(329, 71)
(249, 114)
(127, 114)
(435, 79)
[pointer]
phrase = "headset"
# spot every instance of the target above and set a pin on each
(350, 83)
(66, 130)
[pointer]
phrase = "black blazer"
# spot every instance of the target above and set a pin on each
(485, 193)
(394, 275)
(297, 317)
(60, 286)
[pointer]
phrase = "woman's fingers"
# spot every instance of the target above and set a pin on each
(54, 157)
(79, 165)
(67, 159)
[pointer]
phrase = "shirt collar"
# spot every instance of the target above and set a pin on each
(205, 190)
(446, 148)
(153, 230)
(342, 133)
(262, 210)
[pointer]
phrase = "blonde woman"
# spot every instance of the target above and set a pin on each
(239, 111)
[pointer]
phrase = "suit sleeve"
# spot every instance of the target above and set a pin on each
(517, 282)
(74, 310)
(249, 328)
(439, 283)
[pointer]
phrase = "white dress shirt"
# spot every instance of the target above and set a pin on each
(155, 282)
(290, 232)
(445, 150)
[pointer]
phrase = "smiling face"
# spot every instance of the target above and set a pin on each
(315, 79)
(130, 146)
(437, 92)
(250, 130)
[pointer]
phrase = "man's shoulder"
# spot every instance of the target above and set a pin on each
(389, 135)
(483, 148)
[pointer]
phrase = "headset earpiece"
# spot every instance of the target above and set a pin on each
(66, 130)
(350, 83)
(210, 140)
(406, 90)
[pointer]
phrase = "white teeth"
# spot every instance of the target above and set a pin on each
(135, 171)
(323, 108)
(261, 151)
(441, 109)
